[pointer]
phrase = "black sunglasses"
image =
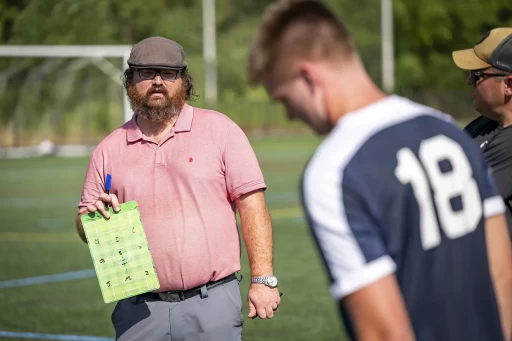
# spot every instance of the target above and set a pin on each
(166, 74)
(476, 75)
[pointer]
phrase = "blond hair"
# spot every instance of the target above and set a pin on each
(304, 29)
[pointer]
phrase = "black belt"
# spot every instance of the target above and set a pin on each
(178, 296)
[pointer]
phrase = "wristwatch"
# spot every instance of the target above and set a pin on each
(269, 281)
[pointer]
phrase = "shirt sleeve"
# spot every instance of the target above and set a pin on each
(93, 184)
(242, 170)
(347, 235)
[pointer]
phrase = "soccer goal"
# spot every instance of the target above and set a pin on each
(60, 99)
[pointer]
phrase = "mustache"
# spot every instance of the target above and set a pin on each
(155, 90)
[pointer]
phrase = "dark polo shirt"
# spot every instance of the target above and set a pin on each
(496, 144)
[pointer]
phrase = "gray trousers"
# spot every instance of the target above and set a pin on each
(216, 316)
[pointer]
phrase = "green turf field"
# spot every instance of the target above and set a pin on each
(37, 237)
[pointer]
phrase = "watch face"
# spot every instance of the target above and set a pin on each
(272, 281)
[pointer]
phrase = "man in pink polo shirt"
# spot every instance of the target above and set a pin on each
(189, 169)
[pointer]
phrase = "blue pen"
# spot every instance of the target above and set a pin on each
(108, 185)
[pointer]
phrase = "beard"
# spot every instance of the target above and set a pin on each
(159, 110)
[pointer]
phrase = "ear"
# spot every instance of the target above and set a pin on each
(308, 73)
(508, 85)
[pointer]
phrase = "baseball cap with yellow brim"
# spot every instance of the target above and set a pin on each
(494, 49)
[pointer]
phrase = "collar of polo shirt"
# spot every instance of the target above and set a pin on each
(183, 124)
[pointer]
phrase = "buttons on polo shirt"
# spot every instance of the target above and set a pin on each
(159, 157)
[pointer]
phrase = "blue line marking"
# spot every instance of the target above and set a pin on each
(53, 337)
(67, 276)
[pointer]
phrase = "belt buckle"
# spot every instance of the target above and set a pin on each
(172, 297)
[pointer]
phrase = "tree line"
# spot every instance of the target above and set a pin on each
(425, 34)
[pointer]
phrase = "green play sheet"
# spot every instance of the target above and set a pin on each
(120, 253)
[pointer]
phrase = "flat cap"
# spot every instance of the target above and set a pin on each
(157, 52)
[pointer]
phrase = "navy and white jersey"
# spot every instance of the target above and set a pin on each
(397, 188)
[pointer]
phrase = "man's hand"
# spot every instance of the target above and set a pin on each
(99, 205)
(263, 301)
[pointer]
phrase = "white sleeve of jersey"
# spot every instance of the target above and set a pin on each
(342, 251)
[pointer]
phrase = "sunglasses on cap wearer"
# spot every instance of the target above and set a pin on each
(477, 74)
(165, 74)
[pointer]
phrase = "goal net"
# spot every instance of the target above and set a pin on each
(60, 99)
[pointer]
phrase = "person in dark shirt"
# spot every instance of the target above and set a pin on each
(490, 66)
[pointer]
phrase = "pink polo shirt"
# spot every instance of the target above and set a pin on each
(185, 187)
